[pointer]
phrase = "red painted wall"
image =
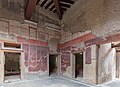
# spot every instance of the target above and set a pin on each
(66, 48)
(35, 54)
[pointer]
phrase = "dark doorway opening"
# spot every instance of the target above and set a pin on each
(12, 64)
(79, 65)
(53, 64)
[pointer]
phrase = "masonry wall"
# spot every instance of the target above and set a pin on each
(35, 57)
(12, 9)
(87, 17)
(110, 21)
(35, 42)
(71, 44)
(118, 64)
(106, 63)
(100, 16)
(90, 70)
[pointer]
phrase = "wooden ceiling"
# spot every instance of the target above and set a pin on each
(56, 6)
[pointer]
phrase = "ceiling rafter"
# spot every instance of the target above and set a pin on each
(48, 4)
(37, 2)
(30, 7)
(43, 2)
(58, 8)
(65, 5)
(67, 1)
(64, 9)
(117, 45)
(54, 10)
(52, 7)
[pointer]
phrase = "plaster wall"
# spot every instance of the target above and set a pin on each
(34, 42)
(53, 42)
(90, 70)
(87, 17)
(14, 10)
(118, 64)
(110, 19)
(1, 67)
(71, 44)
(27, 30)
(99, 16)
(106, 63)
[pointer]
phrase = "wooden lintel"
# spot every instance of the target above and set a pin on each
(12, 51)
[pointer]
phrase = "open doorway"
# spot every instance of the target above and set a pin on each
(53, 69)
(117, 63)
(12, 66)
(78, 65)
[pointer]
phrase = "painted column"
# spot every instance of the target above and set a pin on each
(2, 63)
(59, 64)
(89, 70)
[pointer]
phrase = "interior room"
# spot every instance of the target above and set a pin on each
(79, 65)
(53, 65)
(59, 43)
(12, 65)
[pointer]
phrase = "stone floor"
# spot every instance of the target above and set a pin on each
(12, 78)
(114, 83)
(55, 81)
(46, 82)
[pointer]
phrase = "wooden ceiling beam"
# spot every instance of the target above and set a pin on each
(49, 4)
(67, 1)
(62, 12)
(54, 10)
(37, 2)
(58, 9)
(43, 2)
(65, 5)
(30, 7)
(52, 7)
(64, 9)
(117, 45)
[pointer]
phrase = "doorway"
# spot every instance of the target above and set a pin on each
(117, 64)
(53, 69)
(12, 66)
(79, 65)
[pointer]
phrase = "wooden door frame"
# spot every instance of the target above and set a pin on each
(21, 59)
(58, 63)
(73, 62)
(117, 66)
